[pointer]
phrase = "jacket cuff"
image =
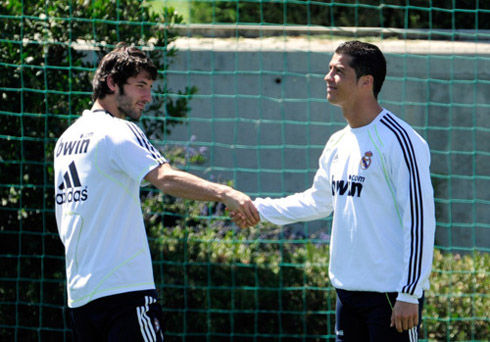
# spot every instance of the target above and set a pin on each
(403, 297)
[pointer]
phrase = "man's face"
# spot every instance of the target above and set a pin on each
(342, 85)
(132, 98)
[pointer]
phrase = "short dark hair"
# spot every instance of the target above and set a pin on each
(121, 63)
(367, 59)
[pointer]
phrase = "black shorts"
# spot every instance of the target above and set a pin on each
(366, 316)
(132, 316)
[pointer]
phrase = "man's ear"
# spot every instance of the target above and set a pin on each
(367, 80)
(110, 83)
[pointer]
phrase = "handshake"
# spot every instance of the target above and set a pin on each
(241, 209)
(244, 221)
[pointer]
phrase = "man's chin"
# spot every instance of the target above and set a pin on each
(134, 115)
(331, 99)
(139, 113)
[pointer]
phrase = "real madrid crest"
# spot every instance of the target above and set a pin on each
(366, 160)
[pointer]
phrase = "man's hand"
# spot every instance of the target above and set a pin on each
(242, 209)
(239, 219)
(405, 316)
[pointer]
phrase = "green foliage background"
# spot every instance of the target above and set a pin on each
(217, 283)
(414, 14)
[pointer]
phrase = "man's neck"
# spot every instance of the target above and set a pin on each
(100, 104)
(359, 116)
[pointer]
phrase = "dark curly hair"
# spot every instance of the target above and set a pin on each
(121, 63)
(367, 59)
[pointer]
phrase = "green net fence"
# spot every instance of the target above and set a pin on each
(241, 99)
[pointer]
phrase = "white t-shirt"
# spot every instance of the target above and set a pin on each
(99, 164)
(376, 180)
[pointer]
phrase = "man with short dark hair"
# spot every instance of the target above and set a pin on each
(374, 176)
(100, 161)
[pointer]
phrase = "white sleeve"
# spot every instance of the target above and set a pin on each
(415, 198)
(133, 152)
(313, 204)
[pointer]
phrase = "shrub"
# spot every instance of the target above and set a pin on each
(266, 281)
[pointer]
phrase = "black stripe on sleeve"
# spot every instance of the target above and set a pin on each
(143, 141)
(416, 205)
(133, 129)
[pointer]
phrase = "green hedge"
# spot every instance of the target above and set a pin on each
(465, 14)
(267, 284)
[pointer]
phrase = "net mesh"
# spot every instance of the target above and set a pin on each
(241, 99)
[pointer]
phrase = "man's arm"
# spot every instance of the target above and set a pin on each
(415, 197)
(312, 204)
(300, 207)
(185, 185)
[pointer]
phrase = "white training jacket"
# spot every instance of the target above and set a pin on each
(99, 164)
(376, 180)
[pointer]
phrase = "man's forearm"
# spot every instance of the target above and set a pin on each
(185, 185)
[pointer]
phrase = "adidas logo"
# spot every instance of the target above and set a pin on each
(69, 187)
(75, 180)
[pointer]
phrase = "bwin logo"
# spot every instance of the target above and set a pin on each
(73, 147)
(69, 185)
(341, 187)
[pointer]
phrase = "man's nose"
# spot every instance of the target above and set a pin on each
(147, 95)
(328, 76)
